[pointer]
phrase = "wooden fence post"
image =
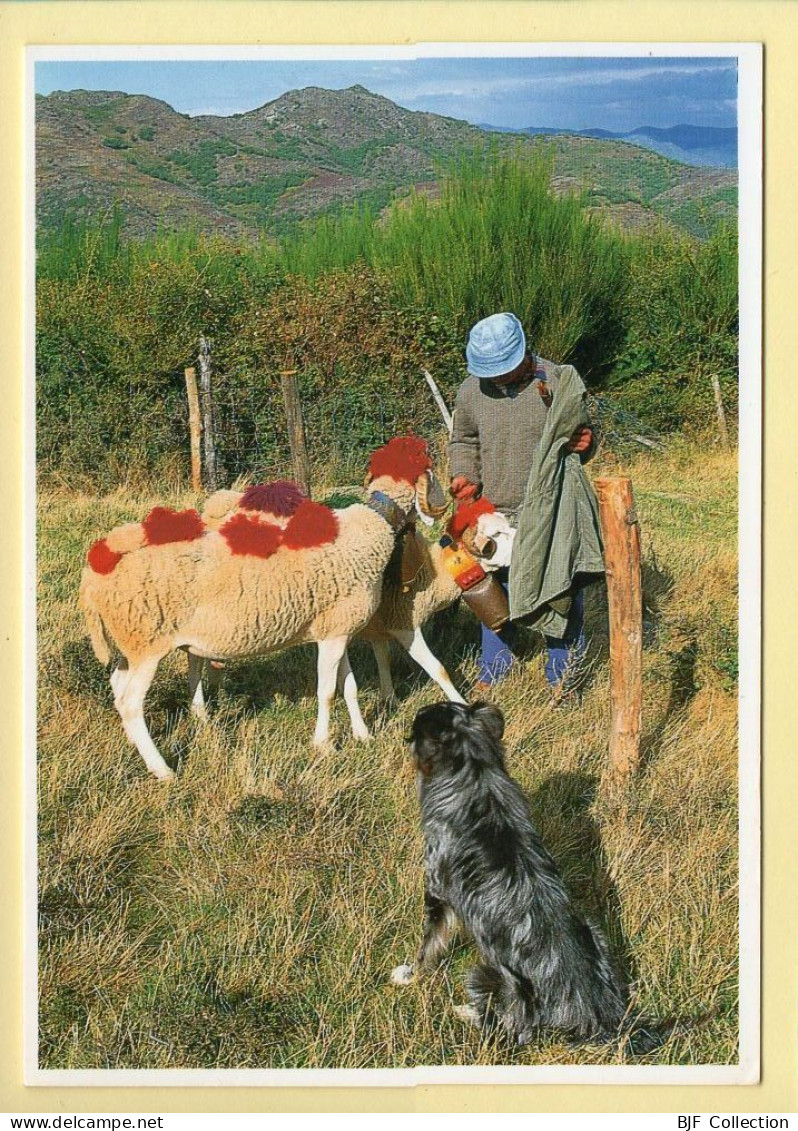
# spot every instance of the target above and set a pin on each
(621, 531)
(296, 430)
(195, 428)
(207, 414)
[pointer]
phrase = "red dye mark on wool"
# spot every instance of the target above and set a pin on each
(101, 558)
(163, 525)
(467, 515)
(313, 525)
(247, 535)
(404, 458)
(282, 498)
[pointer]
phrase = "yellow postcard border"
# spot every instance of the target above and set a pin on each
(263, 21)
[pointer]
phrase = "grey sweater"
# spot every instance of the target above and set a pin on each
(495, 435)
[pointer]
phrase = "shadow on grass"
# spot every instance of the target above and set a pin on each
(561, 811)
(76, 670)
(683, 687)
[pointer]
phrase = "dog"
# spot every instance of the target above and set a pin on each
(544, 967)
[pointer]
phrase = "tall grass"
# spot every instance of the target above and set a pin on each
(497, 238)
(330, 243)
(78, 251)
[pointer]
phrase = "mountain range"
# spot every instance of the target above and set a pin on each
(693, 145)
(312, 151)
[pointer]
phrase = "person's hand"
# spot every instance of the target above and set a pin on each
(581, 440)
(463, 490)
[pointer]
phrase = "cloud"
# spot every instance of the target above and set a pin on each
(573, 78)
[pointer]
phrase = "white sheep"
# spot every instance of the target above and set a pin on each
(403, 608)
(250, 588)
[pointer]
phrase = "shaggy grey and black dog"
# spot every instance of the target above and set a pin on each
(544, 968)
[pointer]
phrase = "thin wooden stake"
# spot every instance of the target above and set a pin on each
(724, 431)
(621, 531)
(207, 414)
(296, 430)
(195, 428)
(439, 401)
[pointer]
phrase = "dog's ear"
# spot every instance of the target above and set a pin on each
(436, 737)
(490, 719)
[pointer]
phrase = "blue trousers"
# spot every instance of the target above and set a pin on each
(563, 652)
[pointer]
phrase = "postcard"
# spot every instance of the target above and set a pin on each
(394, 434)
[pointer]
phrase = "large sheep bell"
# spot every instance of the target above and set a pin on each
(431, 501)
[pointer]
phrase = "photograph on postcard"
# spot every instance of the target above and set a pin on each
(396, 705)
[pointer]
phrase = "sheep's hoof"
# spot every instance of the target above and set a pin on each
(200, 714)
(163, 773)
(402, 975)
(467, 1013)
(363, 735)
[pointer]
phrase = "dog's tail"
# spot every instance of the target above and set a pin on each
(502, 1001)
(644, 1035)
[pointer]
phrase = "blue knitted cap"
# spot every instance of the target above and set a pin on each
(496, 345)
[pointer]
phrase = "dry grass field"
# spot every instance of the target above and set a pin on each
(248, 915)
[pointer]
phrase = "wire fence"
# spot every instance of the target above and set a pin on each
(343, 425)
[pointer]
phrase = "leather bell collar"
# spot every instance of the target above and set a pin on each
(387, 509)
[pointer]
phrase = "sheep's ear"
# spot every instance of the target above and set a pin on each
(490, 719)
(367, 480)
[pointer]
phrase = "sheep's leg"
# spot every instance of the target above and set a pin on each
(331, 652)
(202, 674)
(382, 654)
(348, 684)
(213, 676)
(195, 672)
(418, 648)
(130, 688)
(119, 678)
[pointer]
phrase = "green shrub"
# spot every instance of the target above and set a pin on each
(146, 133)
(114, 334)
(115, 143)
(683, 329)
(357, 303)
(201, 161)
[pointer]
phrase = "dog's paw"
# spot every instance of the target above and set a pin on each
(402, 975)
(467, 1013)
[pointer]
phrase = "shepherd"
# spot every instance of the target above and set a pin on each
(520, 434)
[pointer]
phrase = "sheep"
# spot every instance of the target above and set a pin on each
(487, 534)
(404, 607)
(249, 588)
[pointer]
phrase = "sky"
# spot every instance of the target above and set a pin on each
(611, 93)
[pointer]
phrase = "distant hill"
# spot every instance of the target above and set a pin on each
(693, 145)
(310, 151)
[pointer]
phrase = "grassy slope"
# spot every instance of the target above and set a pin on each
(249, 915)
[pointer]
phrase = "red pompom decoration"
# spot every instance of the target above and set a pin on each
(246, 535)
(404, 458)
(101, 558)
(467, 515)
(313, 525)
(281, 498)
(163, 525)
